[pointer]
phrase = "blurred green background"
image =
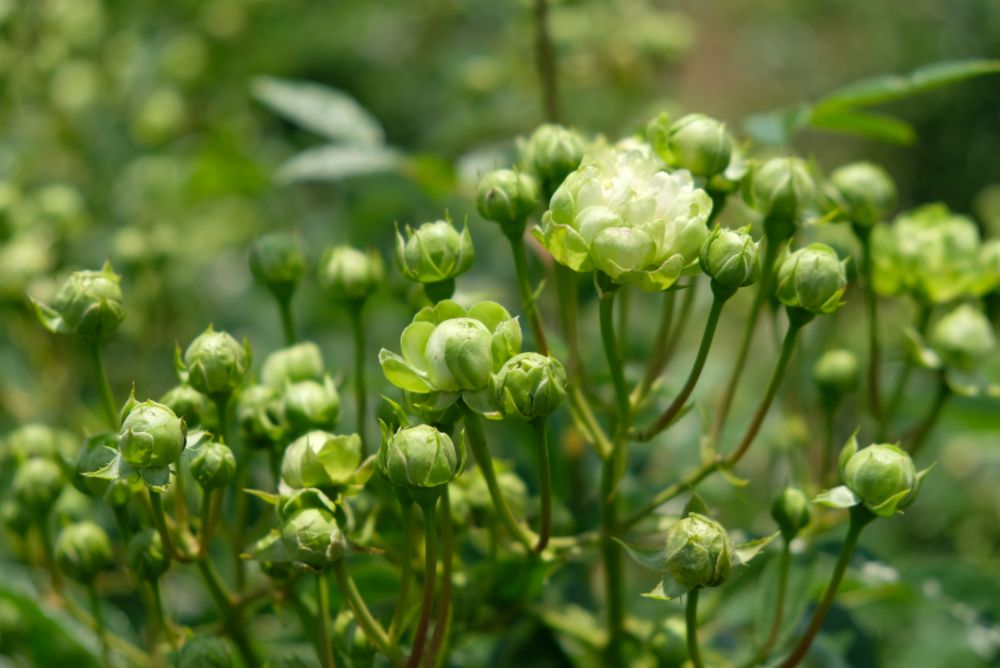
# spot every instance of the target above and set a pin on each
(135, 130)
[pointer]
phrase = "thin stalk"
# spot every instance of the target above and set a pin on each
(209, 513)
(104, 386)
(658, 356)
(614, 575)
(871, 306)
(159, 611)
(287, 323)
(680, 323)
(160, 520)
(686, 483)
(779, 610)
(610, 343)
(569, 298)
(230, 612)
(544, 484)
(123, 523)
(324, 639)
(517, 249)
(360, 388)
(373, 630)
(180, 499)
(691, 619)
(670, 414)
(430, 577)
(241, 502)
(899, 390)
(406, 572)
(124, 647)
(545, 62)
(476, 440)
(443, 619)
(829, 423)
(306, 620)
(924, 429)
(585, 419)
(100, 629)
(859, 518)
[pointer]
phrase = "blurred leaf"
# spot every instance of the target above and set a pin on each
(647, 556)
(326, 111)
(880, 127)
(747, 551)
(334, 163)
(838, 497)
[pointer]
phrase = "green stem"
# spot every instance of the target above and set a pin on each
(287, 323)
(360, 388)
(779, 609)
(306, 620)
(443, 619)
(859, 518)
(430, 580)
(614, 576)
(544, 484)
(687, 483)
(100, 629)
(476, 440)
(670, 414)
(658, 356)
(691, 618)
(610, 343)
(681, 321)
(406, 568)
(229, 611)
(829, 422)
(324, 639)
(871, 306)
(159, 612)
(517, 249)
(104, 386)
(373, 630)
(123, 523)
(160, 520)
(923, 431)
(209, 505)
(899, 390)
(566, 288)
(545, 61)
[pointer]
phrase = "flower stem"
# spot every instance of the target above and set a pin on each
(544, 484)
(287, 322)
(373, 630)
(924, 429)
(691, 618)
(545, 62)
(229, 611)
(324, 640)
(360, 388)
(611, 351)
(100, 629)
(668, 416)
(476, 440)
(566, 288)
(686, 483)
(517, 249)
(430, 577)
(159, 611)
(160, 520)
(871, 306)
(406, 572)
(859, 518)
(660, 345)
(779, 609)
(443, 619)
(104, 386)
(899, 390)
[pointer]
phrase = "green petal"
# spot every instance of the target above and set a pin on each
(399, 372)
(838, 497)
(413, 343)
(490, 314)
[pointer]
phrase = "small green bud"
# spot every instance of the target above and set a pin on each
(216, 363)
(696, 142)
(812, 278)
(322, 460)
(836, 372)
(550, 154)
(205, 652)
(864, 192)
(781, 189)
(82, 551)
(310, 405)
(882, 476)
(188, 404)
(277, 263)
(790, 511)
(508, 198)
(38, 440)
(259, 415)
(963, 337)
(151, 436)
(349, 275)
(731, 258)
(89, 304)
(145, 555)
(420, 457)
(37, 484)
(310, 532)
(459, 355)
(434, 252)
(530, 386)
(698, 552)
(213, 465)
(302, 361)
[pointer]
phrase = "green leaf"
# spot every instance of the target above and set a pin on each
(324, 110)
(695, 504)
(267, 497)
(666, 590)
(867, 124)
(778, 126)
(336, 163)
(401, 374)
(838, 497)
(649, 557)
(47, 316)
(747, 551)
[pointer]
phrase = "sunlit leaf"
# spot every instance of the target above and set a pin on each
(324, 110)
(334, 163)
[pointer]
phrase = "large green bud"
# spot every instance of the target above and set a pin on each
(37, 484)
(434, 252)
(730, 257)
(696, 142)
(216, 363)
(212, 464)
(188, 404)
(260, 415)
(864, 192)
(151, 436)
(38, 440)
(89, 304)
(699, 552)
(349, 275)
(781, 189)
(812, 278)
(790, 511)
(507, 197)
(145, 555)
(82, 551)
(621, 214)
(302, 361)
(277, 263)
(963, 337)
(420, 459)
(322, 460)
(882, 476)
(530, 386)
(310, 405)
(550, 154)
(836, 372)
(310, 533)
(205, 652)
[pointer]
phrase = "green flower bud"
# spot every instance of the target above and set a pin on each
(310, 532)
(89, 304)
(530, 386)
(302, 361)
(145, 555)
(863, 191)
(38, 440)
(696, 142)
(508, 198)
(97, 452)
(812, 278)
(730, 257)
(310, 405)
(699, 552)
(836, 372)
(881, 475)
(188, 404)
(82, 551)
(963, 337)
(216, 363)
(550, 154)
(322, 460)
(37, 484)
(205, 652)
(459, 355)
(434, 252)
(151, 436)
(348, 275)
(276, 261)
(781, 189)
(790, 511)
(420, 457)
(260, 416)
(213, 465)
